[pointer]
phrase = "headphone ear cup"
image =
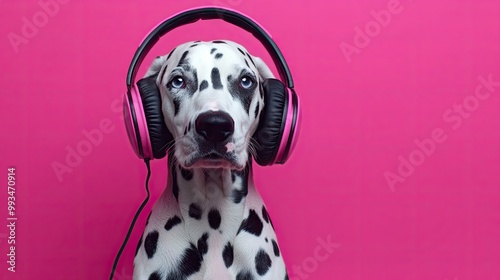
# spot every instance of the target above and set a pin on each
(271, 124)
(159, 135)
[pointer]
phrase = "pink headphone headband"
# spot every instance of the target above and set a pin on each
(193, 15)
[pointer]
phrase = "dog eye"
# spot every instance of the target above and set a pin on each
(246, 82)
(177, 82)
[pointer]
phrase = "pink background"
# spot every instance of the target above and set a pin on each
(362, 113)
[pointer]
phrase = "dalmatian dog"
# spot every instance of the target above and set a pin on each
(210, 222)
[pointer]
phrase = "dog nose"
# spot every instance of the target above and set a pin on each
(215, 126)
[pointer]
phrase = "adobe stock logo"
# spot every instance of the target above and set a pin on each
(454, 117)
(89, 139)
(74, 156)
(363, 36)
(31, 26)
(309, 265)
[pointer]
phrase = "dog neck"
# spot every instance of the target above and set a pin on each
(210, 199)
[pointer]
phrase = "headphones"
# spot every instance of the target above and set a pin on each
(279, 123)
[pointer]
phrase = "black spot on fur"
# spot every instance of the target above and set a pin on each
(244, 276)
(266, 240)
(265, 215)
(173, 276)
(175, 220)
(173, 171)
(138, 246)
(214, 218)
(262, 262)
(276, 249)
(150, 243)
(189, 126)
(186, 174)
(218, 56)
(246, 62)
(239, 93)
(183, 59)
(195, 211)
(239, 194)
(203, 85)
(218, 42)
(257, 108)
(286, 276)
(228, 254)
(241, 51)
(193, 45)
(212, 50)
(155, 276)
(193, 86)
(190, 262)
(175, 184)
(251, 60)
(171, 52)
(162, 72)
(202, 244)
(177, 105)
(252, 224)
(215, 75)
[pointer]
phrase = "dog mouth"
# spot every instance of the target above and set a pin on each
(213, 159)
(213, 156)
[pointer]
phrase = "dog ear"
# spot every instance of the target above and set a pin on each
(264, 71)
(156, 66)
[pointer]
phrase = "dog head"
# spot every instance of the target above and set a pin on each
(211, 101)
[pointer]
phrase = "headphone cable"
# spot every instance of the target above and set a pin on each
(117, 258)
